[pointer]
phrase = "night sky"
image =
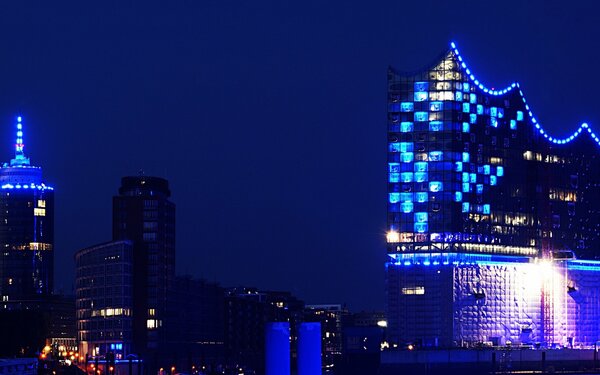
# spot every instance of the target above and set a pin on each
(267, 117)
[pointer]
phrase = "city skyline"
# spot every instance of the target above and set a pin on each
(276, 140)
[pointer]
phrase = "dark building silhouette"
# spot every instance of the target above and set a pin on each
(247, 312)
(144, 215)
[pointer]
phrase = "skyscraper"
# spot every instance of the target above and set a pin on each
(487, 213)
(143, 214)
(26, 229)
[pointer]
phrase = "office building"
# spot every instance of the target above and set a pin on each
(493, 223)
(26, 229)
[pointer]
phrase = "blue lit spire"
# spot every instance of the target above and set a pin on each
(20, 159)
(512, 86)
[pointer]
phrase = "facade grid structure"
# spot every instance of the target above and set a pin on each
(481, 201)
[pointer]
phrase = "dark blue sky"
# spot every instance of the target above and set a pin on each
(267, 117)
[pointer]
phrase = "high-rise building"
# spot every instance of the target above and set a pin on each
(143, 214)
(26, 229)
(493, 223)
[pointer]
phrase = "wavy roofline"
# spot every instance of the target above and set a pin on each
(517, 86)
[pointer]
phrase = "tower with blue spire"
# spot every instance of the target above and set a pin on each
(26, 228)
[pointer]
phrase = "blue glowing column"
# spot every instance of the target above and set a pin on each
(277, 341)
(309, 349)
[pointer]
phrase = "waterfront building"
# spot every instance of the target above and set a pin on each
(493, 223)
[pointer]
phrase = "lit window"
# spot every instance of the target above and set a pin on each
(473, 99)
(406, 146)
(492, 180)
(151, 312)
(435, 156)
(457, 196)
(406, 176)
(153, 323)
(420, 96)
(421, 197)
(421, 116)
(435, 186)
(499, 171)
(465, 207)
(519, 116)
(479, 188)
(406, 197)
(494, 122)
(466, 187)
(421, 227)
(486, 169)
(421, 166)
(415, 290)
(494, 111)
(466, 107)
(513, 125)
(465, 177)
(436, 106)
(394, 197)
(39, 212)
(479, 109)
(406, 157)
(472, 118)
(466, 87)
(421, 176)
(407, 107)
(406, 207)
(486, 209)
(473, 178)
(394, 147)
(466, 127)
(421, 217)
(41, 203)
(406, 127)
(421, 86)
(394, 177)
(459, 96)
(394, 167)
(436, 126)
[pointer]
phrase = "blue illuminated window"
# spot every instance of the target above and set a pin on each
(465, 157)
(472, 118)
(421, 166)
(406, 146)
(499, 171)
(406, 127)
(500, 112)
(457, 196)
(486, 209)
(421, 86)
(465, 177)
(421, 227)
(494, 111)
(492, 180)
(458, 166)
(406, 197)
(421, 176)
(421, 217)
(420, 96)
(407, 107)
(479, 109)
(458, 96)
(479, 188)
(466, 87)
(466, 107)
(435, 186)
(394, 167)
(394, 147)
(486, 169)
(394, 197)
(436, 126)
(406, 157)
(473, 178)
(436, 106)
(436, 156)
(466, 127)
(494, 122)
(519, 116)
(473, 99)
(406, 207)
(513, 124)
(394, 177)
(421, 196)
(466, 187)
(406, 176)
(421, 116)
(465, 207)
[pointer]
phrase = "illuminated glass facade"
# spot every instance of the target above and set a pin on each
(26, 229)
(471, 170)
(480, 200)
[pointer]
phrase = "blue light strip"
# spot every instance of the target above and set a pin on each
(25, 186)
(514, 85)
(436, 259)
(583, 265)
